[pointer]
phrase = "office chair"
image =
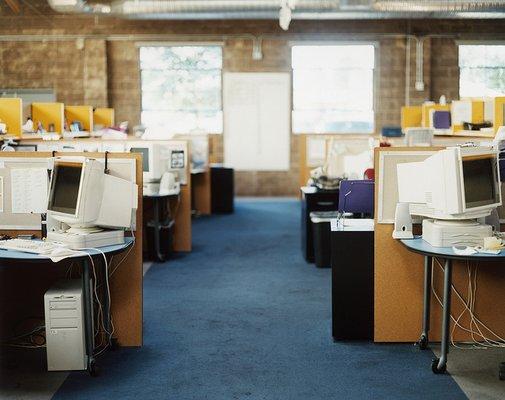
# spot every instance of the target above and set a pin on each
(356, 196)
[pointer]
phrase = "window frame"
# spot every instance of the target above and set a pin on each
(375, 84)
(458, 43)
(221, 44)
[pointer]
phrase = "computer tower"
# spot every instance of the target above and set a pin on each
(65, 329)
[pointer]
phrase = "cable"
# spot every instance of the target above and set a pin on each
(127, 253)
(469, 306)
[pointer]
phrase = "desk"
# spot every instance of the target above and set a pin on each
(314, 199)
(419, 246)
(352, 279)
(16, 256)
(155, 222)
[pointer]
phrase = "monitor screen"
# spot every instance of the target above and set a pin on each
(65, 188)
(480, 180)
(145, 156)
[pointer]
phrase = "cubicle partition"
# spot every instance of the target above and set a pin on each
(354, 154)
(181, 206)
(22, 286)
(200, 172)
(399, 273)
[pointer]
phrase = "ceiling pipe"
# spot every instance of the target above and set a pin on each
(439, 6)
(285, 9)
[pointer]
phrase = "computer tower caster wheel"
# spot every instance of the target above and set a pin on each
(435, 368)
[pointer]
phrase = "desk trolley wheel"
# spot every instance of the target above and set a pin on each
(423, 342)
(501, 372)
(435, 368)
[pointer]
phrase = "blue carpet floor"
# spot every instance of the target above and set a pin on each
(244, 317)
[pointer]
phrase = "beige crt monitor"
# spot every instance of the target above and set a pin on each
(86, 206)
(453, 188)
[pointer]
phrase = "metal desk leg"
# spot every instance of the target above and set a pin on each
(88, 315)
(439, 365)
(424, 339)
(106, 303)
(157, 230)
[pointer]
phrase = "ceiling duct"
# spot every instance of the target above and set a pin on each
(286, 9)
(445, 6)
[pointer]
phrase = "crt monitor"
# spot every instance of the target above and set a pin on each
(480, 177)
(84, 197)
(155, 158)
(64, 193)
(76, 192)
(145, 156)
(456, 183)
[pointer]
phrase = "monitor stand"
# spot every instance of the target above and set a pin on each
(87, 240)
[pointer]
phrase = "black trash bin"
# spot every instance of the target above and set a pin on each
(222, 189)
(321, 230)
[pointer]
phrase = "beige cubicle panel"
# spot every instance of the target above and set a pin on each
(32, 281)
(200, 148)
(398, 286)
(181, 207)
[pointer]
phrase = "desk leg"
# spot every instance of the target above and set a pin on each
(439, 365)
(88, 315)
(157, 230)
(424, 339)
(106, 303)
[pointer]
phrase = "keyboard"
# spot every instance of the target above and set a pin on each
(28, 246)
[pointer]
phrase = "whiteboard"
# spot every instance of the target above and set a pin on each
(257, 120)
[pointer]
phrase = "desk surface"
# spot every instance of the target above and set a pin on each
(6, 255)
(420, 246)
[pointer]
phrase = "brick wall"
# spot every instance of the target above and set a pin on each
(105, 70)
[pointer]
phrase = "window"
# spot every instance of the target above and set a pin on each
(181, 89)
(333, 88)
(481, 70)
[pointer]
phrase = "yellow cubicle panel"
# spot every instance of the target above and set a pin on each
(83, 114)
(411, 116)
(426, 108)
(499, 112)
(11, 114)
(103, 116)
(48, 113)
(477, 111)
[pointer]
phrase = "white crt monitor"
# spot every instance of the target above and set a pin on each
(83, 197)
(155, 157)
(456, 183)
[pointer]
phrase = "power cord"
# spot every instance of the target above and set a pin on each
(469, 306)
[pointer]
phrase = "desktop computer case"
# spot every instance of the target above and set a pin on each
(448, 236)
(65, 329)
